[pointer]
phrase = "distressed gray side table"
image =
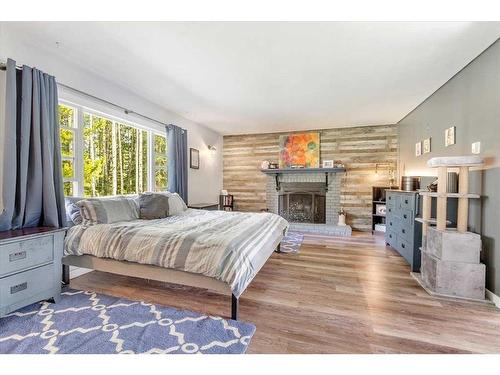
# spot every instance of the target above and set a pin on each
(30, 266)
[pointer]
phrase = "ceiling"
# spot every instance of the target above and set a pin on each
(262, 77)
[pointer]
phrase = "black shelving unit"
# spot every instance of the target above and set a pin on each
(378, 197)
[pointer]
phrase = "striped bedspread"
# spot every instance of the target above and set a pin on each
(224, 245)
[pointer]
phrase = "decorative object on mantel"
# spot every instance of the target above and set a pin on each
(342, 218)
(273, 165)
(451, 258)
(299, 149)
(194, 158)
(328, 164)
(449, 136)
(427, 145)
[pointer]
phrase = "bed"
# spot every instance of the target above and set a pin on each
(216, 250)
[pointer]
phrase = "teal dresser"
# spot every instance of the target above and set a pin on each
(402, 233)
(30, 266)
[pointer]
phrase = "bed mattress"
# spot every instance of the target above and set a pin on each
(226, 246)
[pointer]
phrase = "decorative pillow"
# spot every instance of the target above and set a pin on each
(153, 206)
(175, 204)
(73, 216)
(108, 210)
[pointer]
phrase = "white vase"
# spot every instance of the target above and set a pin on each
(342, 220)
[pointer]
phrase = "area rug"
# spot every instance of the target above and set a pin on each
(291, 242)
(91, 323)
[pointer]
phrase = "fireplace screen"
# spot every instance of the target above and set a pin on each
(302, 204)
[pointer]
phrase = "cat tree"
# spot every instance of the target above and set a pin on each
(450, 257)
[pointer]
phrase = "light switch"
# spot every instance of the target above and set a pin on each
(476, 147)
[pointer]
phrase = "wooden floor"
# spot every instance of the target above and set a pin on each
(339, 295)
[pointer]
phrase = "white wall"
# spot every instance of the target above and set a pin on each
(204, 183)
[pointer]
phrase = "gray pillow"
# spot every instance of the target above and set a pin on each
(153, 206)
(107, 210)
(73, 216)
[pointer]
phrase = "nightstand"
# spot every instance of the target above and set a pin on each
(30, 266)
(204, 206)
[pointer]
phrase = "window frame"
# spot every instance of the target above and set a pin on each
(78, 144)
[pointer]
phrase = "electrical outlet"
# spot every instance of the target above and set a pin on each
(476, 147)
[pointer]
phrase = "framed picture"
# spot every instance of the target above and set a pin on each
(299, 149)
(449, 136)
(418, 148)
(427, 146)
(194, 158)
(328, 164)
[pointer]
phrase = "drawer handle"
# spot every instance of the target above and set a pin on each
(403, 230)
(18, 288)
(406, 201)
(390, 223)
(17, 256)
(390, 235)
(405, 216)
(390, 209)
(390, 198)
(403, 245)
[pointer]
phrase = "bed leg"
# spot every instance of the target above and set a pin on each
(234, 307)
(65, 274)
(278, 248)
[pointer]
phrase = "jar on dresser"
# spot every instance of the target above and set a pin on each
(30, 266)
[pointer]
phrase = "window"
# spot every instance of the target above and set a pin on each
(160, 157)
(104, 156)
(67, 133)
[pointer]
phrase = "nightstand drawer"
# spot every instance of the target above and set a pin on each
(18, 256)
(24, 288)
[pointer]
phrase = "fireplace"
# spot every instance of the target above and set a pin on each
(303, 202)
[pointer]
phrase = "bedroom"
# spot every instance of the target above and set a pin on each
(249, 187)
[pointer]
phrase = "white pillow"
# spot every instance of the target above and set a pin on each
(176, 204)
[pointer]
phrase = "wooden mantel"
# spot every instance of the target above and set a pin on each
(277, 172)
(302, 170)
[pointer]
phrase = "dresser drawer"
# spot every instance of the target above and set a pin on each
(405, 249)
(405, 232)
(392, 223)
(407, 201)
(391, 238)
(24, 288)
(18, 256)
(406, 218)
(392, 199)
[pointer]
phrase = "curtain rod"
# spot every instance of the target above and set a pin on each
(3, 66)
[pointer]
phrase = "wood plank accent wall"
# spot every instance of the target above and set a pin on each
(360, 149)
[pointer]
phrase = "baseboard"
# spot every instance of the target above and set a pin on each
(77, 271)
(493, 298)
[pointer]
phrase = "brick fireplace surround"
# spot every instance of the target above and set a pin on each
(332, 201)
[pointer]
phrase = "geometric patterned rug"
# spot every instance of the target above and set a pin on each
(92, 323)
(291, 242)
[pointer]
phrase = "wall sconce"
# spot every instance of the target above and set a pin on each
(212, 148)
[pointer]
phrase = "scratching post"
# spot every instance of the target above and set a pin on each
(450, 258)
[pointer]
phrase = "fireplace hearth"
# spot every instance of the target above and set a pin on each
(303, 202)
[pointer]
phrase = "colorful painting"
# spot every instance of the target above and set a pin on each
(299, 150)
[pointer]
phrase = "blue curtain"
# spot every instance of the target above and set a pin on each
(32, 184)
(177, 155)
